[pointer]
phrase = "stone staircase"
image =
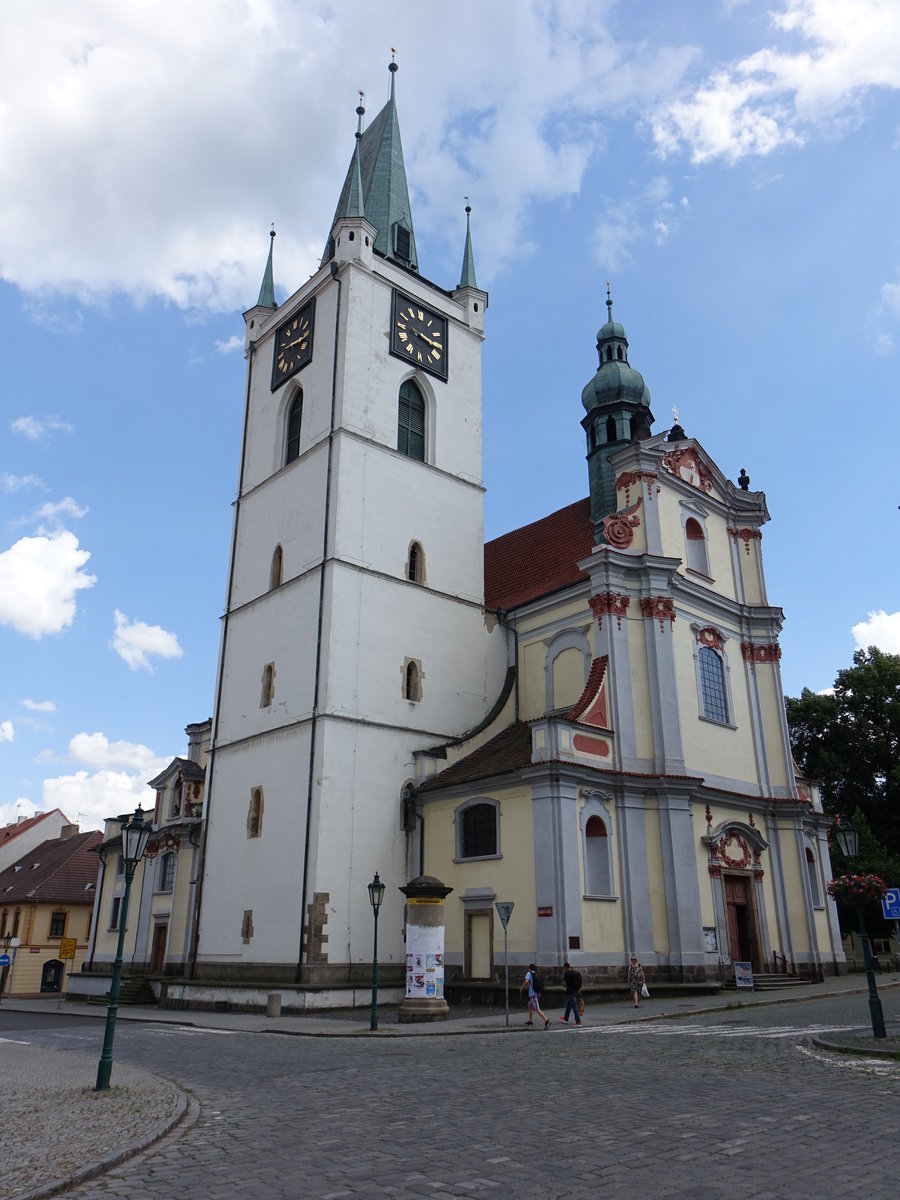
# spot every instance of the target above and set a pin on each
(134, 989)
(769, 981)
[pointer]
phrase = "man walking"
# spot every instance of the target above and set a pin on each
(572, 983)
(532, 981)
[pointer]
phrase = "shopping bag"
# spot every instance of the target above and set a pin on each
(645, 991)
(580, 1005)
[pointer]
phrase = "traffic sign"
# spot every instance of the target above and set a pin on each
(67, 948)
(4, 960)
(890, 905)
(504, 911)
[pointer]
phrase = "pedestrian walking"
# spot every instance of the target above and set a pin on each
(636, 980)
(533, 982)
(572, 983)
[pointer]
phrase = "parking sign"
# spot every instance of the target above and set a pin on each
(890, 905)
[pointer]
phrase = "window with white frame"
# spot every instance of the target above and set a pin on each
(713, 693)
(696, 551)
(478, 830)
(812, 870)
(115, 909)
(166, 878)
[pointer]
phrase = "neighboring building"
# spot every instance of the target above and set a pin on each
(22, 836)
(584, 716)
(161, 904)
(45, 897)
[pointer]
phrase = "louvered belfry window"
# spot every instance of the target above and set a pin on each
(411, 422)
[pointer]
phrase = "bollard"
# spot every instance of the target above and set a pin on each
(273, 1004)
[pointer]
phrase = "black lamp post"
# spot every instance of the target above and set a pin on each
(135, 835)
(376, 895)
(848, 840)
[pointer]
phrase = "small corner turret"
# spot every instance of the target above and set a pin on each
(266, 302)
(467, 292)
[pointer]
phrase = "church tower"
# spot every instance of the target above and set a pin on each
(354, 631)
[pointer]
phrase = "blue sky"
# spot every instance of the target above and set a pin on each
(731, 167)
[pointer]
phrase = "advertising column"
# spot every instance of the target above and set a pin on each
(424, 999)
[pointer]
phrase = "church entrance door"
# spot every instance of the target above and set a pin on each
(158, 956)
(740, 920)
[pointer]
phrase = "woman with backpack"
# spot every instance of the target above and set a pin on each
(533, 982)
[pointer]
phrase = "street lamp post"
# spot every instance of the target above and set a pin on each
(376, 895)
(135, 835)
(848, 840)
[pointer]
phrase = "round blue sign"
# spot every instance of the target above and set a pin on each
(4, 960)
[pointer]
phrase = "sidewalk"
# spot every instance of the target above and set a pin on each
(42, 1157)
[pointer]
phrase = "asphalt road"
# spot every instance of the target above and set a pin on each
(726, 1106)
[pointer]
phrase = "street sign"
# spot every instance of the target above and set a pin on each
(890, 905)
(504, 911)
(67, 947)
(4, 960)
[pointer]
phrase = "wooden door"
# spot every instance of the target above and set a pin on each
(158, 957)
(739, 918)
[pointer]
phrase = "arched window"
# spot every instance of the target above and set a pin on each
(411, 685)
(268, 685)
(609, 353)
(292, 441)
(597, 864)
(813, 873)
(275, 571)
(713, 701)
(415, 566)
(476, 831)
(610, 429)
(619, 353)
(695, 545)
(255, 814)
(167, 865)
(411, 421)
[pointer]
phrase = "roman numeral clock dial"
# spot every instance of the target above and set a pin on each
(418, 335)
(293, 344)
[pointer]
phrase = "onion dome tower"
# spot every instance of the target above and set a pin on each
(617, 412)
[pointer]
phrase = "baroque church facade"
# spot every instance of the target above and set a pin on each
(584, 716)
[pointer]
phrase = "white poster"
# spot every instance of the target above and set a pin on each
(425, 962)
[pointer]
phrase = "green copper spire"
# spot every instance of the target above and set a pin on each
(377, 175)
(267, 289)
(467, 274)
(355, 204)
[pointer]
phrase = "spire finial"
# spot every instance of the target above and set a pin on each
(393, 68)
(675, 413)
(608, 302)
(267, 289)
(360, 113)
(467, 275)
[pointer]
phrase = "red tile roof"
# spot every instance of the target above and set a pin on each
(507, 752)
(538, 558)
(56, 871)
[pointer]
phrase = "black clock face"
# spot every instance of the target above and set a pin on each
(294, 344)
(419, 336)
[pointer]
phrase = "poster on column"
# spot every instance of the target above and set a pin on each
(424, 963)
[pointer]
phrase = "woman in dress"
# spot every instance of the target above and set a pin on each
(635, 980)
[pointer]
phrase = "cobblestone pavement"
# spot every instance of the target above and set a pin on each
(734, 1104)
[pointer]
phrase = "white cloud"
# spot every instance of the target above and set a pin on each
(132, 104)
(44, 706)
(7, 733)
(816, 78)
(236, 342)
(881, 629)
(625, 222)
(96, 750)
(91, 797)
(35, 428)
(10, 813)
(13, 483)
(136, 642)
(40, 578)
(51, 514)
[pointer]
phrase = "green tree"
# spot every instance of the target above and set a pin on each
(850, 743)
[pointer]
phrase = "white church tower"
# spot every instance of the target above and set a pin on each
(354, 631)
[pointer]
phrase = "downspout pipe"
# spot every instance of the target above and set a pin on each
(315, 711)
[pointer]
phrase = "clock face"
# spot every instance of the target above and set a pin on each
(294, 344)
(419, 336)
